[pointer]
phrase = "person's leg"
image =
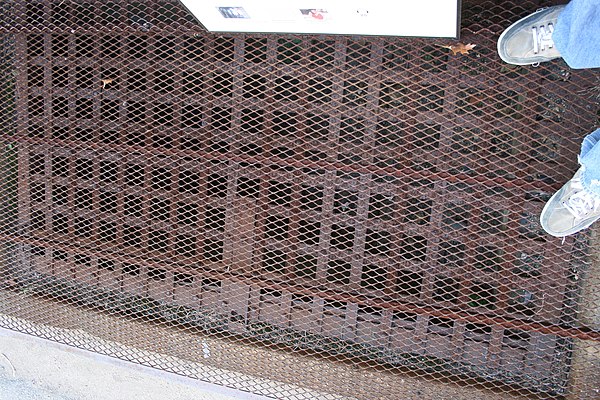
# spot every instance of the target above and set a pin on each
(577, 34)
(577, 204)
(589, 158)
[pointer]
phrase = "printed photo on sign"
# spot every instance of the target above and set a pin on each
(233, 12)
(318, 14)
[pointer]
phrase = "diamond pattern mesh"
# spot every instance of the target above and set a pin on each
(359, 213)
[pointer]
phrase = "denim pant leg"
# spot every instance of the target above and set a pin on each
(589, 158)
(576, 34)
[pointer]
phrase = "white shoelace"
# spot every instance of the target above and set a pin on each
(542, 37)
(582, 203)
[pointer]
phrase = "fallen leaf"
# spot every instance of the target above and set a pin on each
(459, 48)
(475, 99)
(106, 82)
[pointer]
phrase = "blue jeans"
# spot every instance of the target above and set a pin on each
(577, 34)
(589, 158)
(577, 38)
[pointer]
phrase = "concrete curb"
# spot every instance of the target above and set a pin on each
(42, 369)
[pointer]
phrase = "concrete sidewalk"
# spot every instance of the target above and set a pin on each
(32, 369)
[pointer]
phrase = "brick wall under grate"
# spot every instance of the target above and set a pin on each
(369, 200)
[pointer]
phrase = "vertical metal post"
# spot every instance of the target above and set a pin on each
(584, 381)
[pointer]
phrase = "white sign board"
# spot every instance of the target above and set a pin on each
(422, 18)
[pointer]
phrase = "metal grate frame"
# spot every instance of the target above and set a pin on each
(369, 200)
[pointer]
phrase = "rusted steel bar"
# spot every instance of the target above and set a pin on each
(402, 172)
(583, 333)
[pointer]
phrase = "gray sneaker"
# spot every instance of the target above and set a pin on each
(571, 209)
(529, 40)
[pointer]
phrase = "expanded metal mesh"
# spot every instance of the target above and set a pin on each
(344, 207)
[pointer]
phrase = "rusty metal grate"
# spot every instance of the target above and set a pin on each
(368, 200)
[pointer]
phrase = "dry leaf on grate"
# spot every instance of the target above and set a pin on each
(106, 82)
(459, 48)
